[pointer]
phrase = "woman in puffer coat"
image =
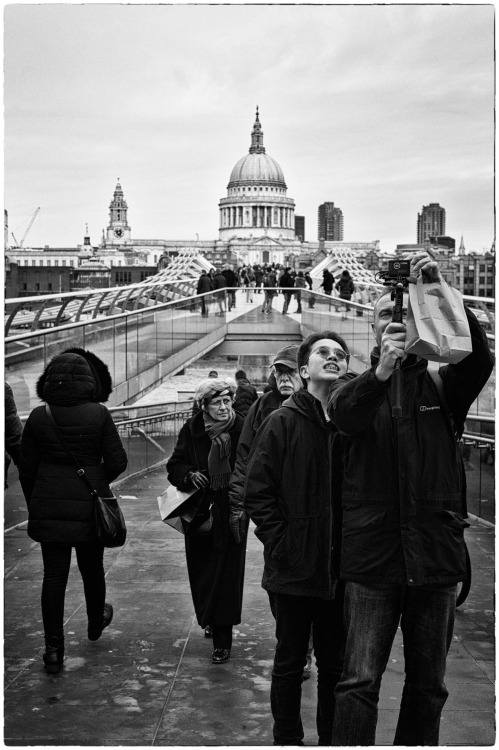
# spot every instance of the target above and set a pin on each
(61, 509)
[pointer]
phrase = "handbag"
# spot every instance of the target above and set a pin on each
(437, 328)
(206, 525)
(178, 508)
(109, 520)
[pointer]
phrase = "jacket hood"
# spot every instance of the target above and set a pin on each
(74, 376)
(307, 405)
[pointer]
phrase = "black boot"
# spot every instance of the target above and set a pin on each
(95, 630)
(53, 659)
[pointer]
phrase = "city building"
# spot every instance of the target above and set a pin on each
(257, 196)
(330, 223)
(431, 222)
(300, 228)
(257, 225)
(475, 274)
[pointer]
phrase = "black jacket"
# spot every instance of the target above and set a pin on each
(403, 481)
(230, 277)
(290, 495)
(60, 505)
(258, 412)
(327, 281)
(204, 284)
(286, 280)
(13, 426)
(345, 287)
(246, 395)
(219, 281)
(13, 432)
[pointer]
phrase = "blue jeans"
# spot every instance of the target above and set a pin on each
(56, 564)
(295, 616)
(372, 615)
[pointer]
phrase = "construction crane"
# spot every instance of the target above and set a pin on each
(21, 244)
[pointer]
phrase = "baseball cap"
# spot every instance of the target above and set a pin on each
(287, 356)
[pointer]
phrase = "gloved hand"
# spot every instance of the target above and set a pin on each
(238, 522)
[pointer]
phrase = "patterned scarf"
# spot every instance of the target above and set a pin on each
(218, 459)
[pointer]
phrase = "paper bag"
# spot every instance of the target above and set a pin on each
(437, 326)
(176, 506)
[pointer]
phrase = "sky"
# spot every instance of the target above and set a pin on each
(380, 109)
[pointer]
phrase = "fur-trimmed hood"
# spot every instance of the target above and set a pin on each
(73, 377)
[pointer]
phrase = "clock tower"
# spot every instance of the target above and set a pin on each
(118, 231)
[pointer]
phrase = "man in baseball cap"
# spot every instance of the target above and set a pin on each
(284, 380)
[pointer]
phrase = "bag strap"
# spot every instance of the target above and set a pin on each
(79, 470)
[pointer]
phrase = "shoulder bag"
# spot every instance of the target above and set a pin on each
(109, 521)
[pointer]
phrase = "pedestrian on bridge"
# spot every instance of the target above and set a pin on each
(204, 286)
(219, 282)
(61, 508)
(286, 282)
(291, 493)
(300, 283)
(327, 281)
(404, 509)
(203, 459)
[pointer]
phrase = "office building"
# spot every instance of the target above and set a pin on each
(330, 223)
(431, 222)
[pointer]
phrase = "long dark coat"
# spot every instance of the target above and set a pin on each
(215, 562)
(60, 505)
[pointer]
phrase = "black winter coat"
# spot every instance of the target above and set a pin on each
(291, 495)
(286, 280)
(246, 395)
(259, 411)
(60, 505)
(403, 481)
(215, 562)
(204, 284)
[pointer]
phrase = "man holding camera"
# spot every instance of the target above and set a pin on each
(404, 504)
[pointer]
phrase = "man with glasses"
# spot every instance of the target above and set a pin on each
(290, 494)
(403, 548)
(284, 381)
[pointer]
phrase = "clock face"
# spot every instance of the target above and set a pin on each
(118, 232)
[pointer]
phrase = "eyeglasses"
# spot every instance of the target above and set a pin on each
(325, 352)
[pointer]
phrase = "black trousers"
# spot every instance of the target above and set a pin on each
(56, 565)
(295, 616)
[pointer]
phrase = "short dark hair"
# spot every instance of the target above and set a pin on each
(306, 345)
(240, 374)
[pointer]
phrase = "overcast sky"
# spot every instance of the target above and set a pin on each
(381, 109)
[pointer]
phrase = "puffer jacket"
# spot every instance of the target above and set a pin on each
(60, 505)
(292, 496)
(403, 509)
(246, 395)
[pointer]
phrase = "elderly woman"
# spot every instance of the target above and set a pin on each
(204, 458)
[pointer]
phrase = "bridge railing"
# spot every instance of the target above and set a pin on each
(131, 343)
(149, 439)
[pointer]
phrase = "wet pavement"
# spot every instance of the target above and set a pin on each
(149, 680)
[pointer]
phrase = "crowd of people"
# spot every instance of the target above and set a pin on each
(270, 280)
(361, 515)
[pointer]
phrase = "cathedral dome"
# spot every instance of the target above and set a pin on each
(257, 166)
